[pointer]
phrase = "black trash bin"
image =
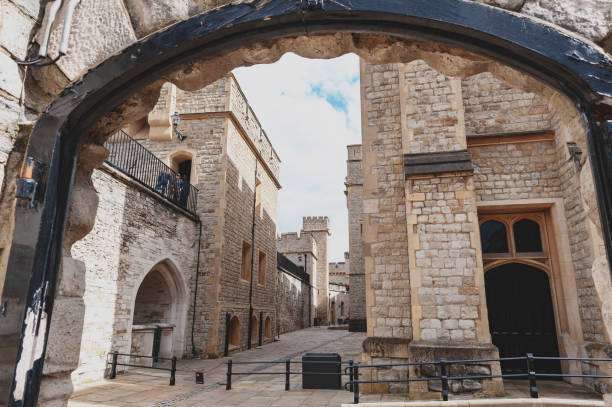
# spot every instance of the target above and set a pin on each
(311, 380)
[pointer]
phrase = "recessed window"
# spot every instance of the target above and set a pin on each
(245, 266)
(494, 237)
(527, 236)
(235, 331)
(261, 277)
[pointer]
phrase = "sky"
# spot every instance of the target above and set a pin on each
(310, 110)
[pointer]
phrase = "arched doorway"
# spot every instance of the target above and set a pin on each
(333, 313)
(234, 332)
(268, 328)
(511, 39)
(159, 312)
(521, 316)
(254, 330)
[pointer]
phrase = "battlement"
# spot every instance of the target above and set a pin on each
(292, 242)
(315, 223)
(355, 152)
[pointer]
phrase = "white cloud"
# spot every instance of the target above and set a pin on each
(310, 110)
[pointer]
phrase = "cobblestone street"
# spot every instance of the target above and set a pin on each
(149, 388)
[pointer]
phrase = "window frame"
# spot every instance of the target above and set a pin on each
(245, 263)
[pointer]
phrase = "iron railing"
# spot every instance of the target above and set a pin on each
(134, 160)
(287, 265)
(114, 363)
(354, 370)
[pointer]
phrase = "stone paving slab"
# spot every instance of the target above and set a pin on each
(144, 387)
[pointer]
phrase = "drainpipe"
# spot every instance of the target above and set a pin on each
(195, 291)
(252, 257)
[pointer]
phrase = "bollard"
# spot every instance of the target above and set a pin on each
(356, 383)
(444, 378)
(351, 375)
(228, 384)
(173, 371)
(113, 372)
(533, 388)
(287, 373)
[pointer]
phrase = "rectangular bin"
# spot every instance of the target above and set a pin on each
(311, 380)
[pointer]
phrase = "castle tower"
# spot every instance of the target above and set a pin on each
(318, 228)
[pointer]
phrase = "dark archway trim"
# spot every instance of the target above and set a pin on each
(579, 70)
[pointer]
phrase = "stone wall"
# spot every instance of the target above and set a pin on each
(134, 231)
(339, 291)
(354, 203)
(292, 302)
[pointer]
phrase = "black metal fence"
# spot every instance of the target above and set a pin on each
(114, 363)
(354, 370)
(133, 159)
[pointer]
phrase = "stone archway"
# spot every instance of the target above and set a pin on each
(111, 95)
(234, 336)
(159, 313)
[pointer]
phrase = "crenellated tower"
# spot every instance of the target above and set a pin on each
(318, 228)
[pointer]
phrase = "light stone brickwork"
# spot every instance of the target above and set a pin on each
(354, 203)
(302, 250)
(292, 302)
(223, 134)
(318, 228)
(339, 291)
(134, 231)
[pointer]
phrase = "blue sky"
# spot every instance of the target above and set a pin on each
(310, 110)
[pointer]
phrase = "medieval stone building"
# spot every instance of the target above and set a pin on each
(141, 258)
(354, 204)
(490, 251)
(485, 127)
(339, 301)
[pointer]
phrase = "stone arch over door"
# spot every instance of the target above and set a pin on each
(125, 86)
(161, 300)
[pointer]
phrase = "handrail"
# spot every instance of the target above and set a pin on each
(134, 160)
(114, 363)
(352, 370)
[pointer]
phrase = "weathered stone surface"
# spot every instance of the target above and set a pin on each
(148, 16)
(589, 18)
(99, 28)
(72, 278)
(10, 80)
(15, 30)
(505, 4)
(30, 7)
(63, 345)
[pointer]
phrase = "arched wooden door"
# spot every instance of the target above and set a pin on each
(521, 316)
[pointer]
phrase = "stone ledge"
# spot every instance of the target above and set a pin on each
(527, 402)
(435, 163)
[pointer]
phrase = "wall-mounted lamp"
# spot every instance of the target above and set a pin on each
(575, 154)
(176, 119)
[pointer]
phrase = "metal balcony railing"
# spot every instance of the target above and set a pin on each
(134, 160)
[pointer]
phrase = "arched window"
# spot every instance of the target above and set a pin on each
(527, 236)
(494, 237)
(342, 309)
(235, 331)
(268, 327)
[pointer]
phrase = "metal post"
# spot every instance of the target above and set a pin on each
(227, 333)
(173, 371)
(113, 372)
(260, 341)
(533, 388)
(228, 383)
(287, 373)
(444, 378)
(356, 383)
(350, 375)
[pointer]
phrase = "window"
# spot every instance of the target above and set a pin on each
(527, 236)
(261, 277)
(494, 237)
(245, 266)
(342, 309)
(258, 197)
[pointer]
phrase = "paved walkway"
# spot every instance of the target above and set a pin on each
(150, 388)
